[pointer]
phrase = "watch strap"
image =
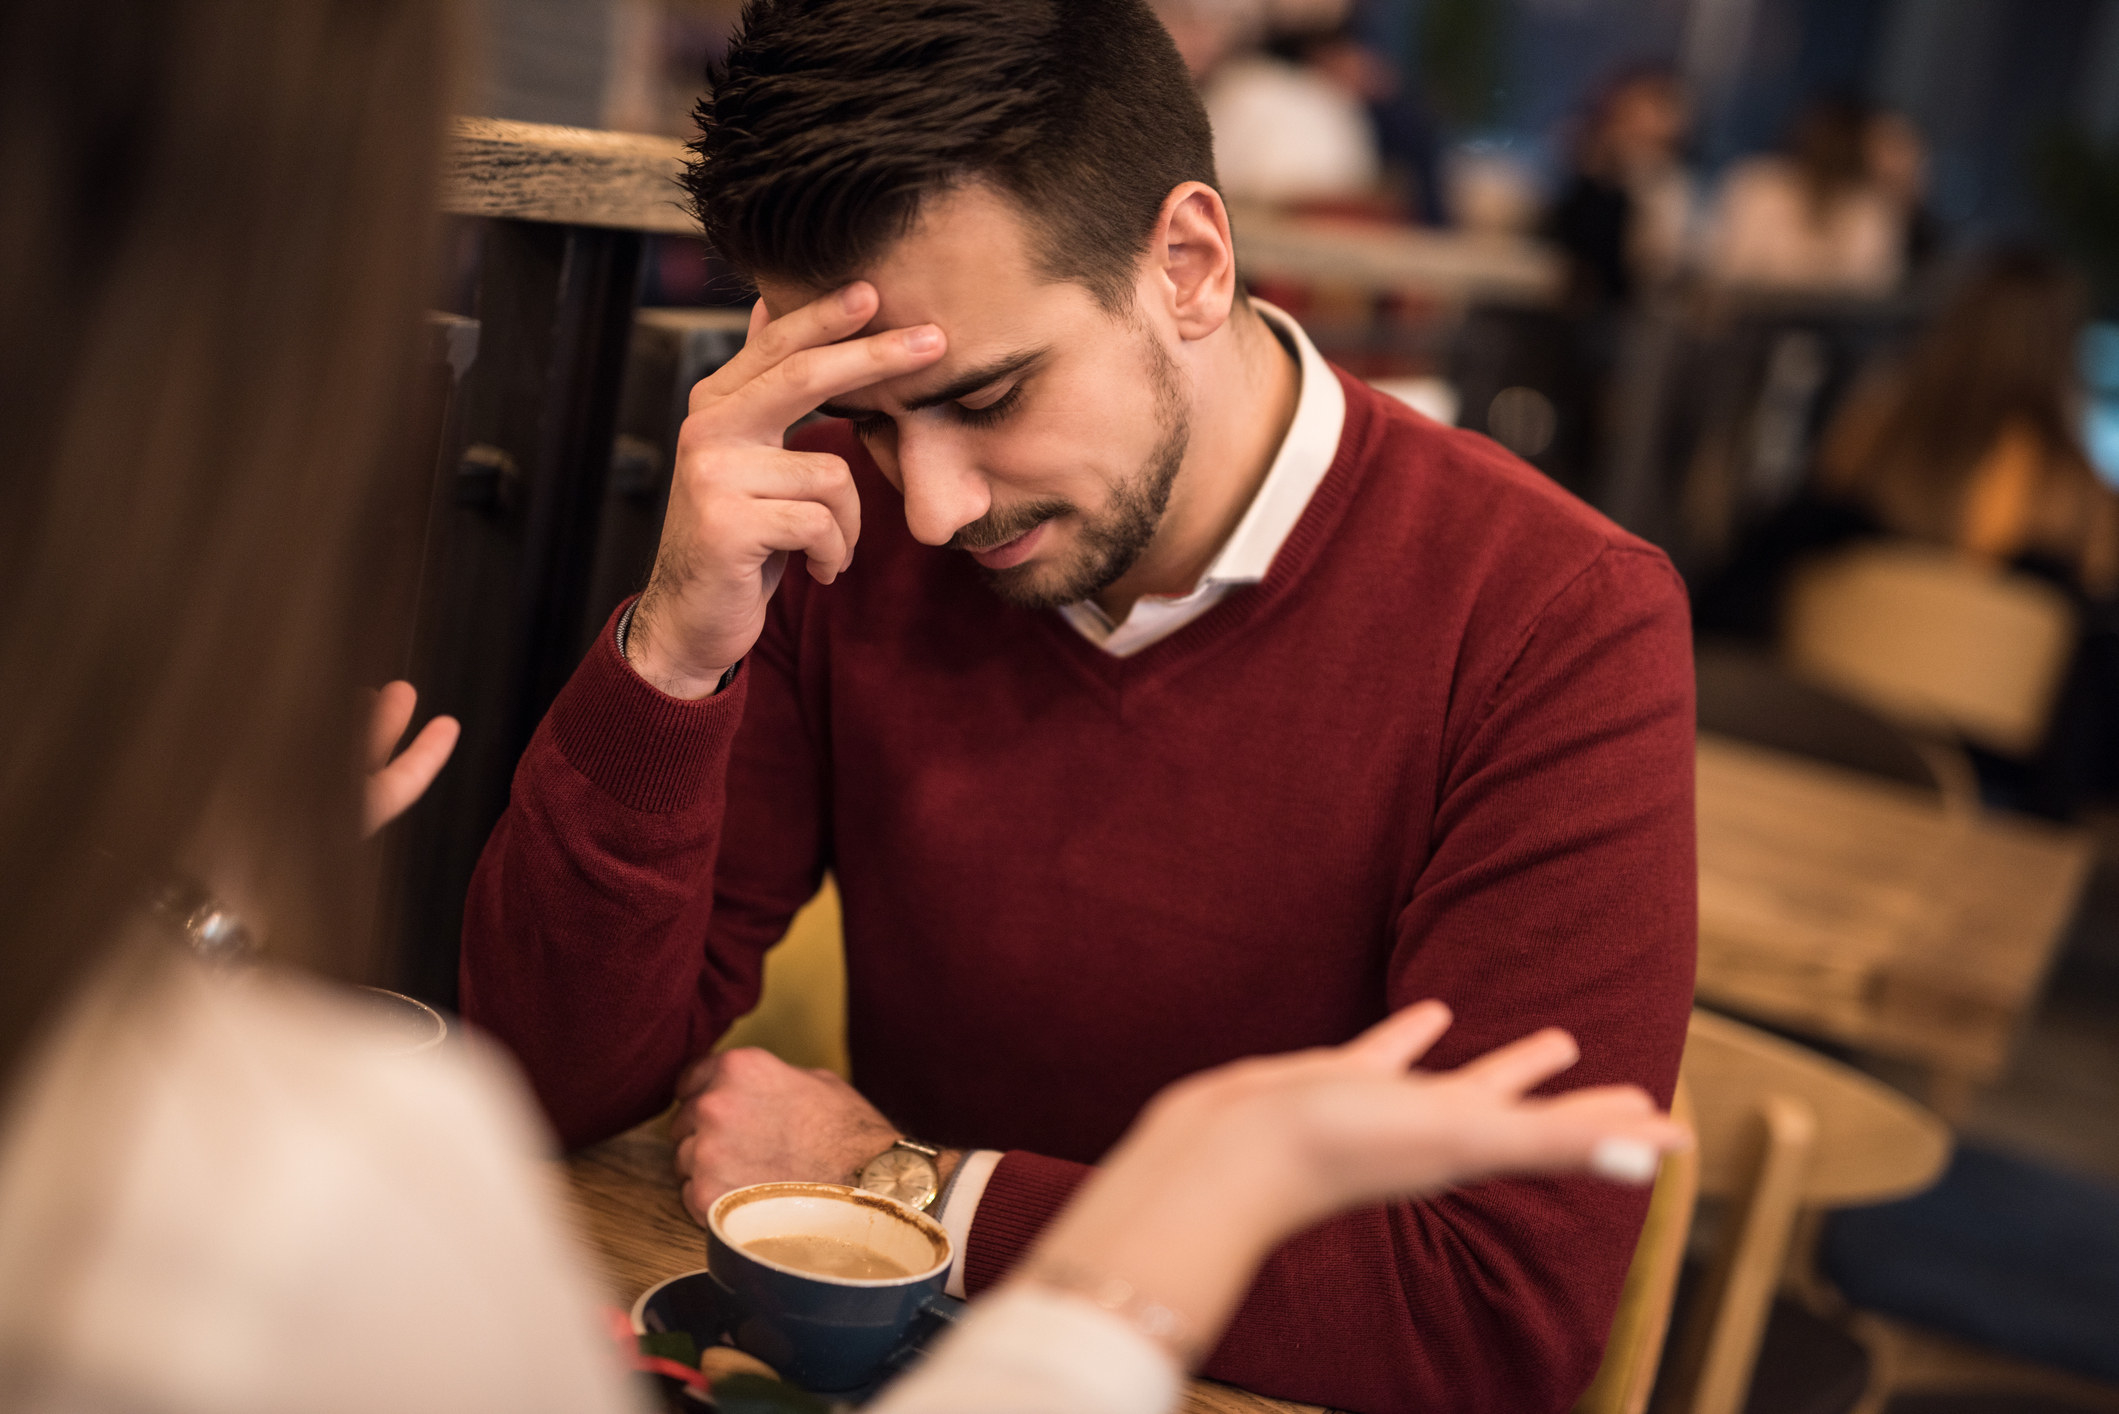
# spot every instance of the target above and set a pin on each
(940, 1204)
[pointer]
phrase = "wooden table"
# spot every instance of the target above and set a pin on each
(1868, 913)
(1449, 266)
(624, 1196)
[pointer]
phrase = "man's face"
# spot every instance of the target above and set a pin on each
(1047, 440)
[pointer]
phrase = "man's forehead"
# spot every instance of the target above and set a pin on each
(966, 257)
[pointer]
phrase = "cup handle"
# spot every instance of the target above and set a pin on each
(930, 1323)
(941, 1311)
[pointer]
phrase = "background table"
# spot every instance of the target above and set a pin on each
(624, 1196)
(1866, 912)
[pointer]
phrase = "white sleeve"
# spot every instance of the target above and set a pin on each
(289, 1221)
(1027, 1350)
(968, 1186)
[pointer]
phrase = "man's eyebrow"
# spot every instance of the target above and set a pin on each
(961, 387)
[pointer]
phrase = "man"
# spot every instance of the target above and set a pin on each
(1156, 695)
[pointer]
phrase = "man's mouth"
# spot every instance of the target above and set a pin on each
(1010, 553)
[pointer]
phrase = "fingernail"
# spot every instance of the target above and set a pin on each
(925, 339)
(850, 298)
(1624, 1161)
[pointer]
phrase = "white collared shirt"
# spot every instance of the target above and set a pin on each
(1305, 455)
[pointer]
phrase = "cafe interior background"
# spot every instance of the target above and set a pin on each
(1578, 227)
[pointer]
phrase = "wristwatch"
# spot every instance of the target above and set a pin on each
(906, 1171)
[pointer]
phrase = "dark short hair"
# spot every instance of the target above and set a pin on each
(831, 121)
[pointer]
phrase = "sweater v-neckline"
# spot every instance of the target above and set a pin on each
(1306, 540)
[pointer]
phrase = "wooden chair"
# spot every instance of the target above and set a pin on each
(801, 1013)
(1781, 1130)
(1750, 695)
(1627, 1377)
(1934, 639)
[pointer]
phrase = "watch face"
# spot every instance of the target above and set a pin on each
(903, 1175)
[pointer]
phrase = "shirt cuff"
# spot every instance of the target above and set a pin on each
(966, 1186)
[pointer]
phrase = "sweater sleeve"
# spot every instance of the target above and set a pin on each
(594, 946)
(1557, 889)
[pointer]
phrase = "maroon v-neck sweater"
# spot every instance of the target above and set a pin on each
(1444, 749)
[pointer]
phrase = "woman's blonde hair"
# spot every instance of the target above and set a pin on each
(214, 225)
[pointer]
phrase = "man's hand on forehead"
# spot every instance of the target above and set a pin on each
(741, 502)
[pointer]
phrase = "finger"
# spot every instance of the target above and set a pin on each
(392, 790)
(1395, 1042)
(811, 476)
(792, 388)
(1524, 1064)
(1614, 1131)
(387, 720)
(1636, 1157)
(824, 320)
(1611, 1130)
(804, 527)
(687, 1151)
(699, 1195)
(697, 1076)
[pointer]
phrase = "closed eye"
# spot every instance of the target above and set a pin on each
(992, 412)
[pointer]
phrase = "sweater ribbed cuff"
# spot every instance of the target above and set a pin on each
(1021, 1198)
(649, 751)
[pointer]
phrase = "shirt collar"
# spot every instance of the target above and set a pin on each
(1305, 456)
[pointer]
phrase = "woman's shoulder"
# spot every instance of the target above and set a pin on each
(268, 1200)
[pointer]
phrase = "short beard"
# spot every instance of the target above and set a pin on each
(1113, 542)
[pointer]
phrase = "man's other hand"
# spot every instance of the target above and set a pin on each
(746, 1116)
(741, 503)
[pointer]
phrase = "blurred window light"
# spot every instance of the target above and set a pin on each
(2100, 370)
(1437, 397)
(1522, 420)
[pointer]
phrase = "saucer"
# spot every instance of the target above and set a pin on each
(702, 1308)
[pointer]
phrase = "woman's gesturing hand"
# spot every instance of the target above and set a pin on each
(740, 502)
(1223, 1166)
(395, 782)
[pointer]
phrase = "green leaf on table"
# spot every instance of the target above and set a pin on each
(671, 1345)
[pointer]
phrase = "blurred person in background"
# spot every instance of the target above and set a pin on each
(219, 1188)
(1974, 439)
(1971, 440)
(1303, 111)
(1625, 216)
(1814, 220)
(1898, 161)
(1287, 131)
(1209, 31)
(1408, 145)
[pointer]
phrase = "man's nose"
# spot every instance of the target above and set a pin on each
(944, 489)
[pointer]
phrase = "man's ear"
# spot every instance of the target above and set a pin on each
(1192, 260)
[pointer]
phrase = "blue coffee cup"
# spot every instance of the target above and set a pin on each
(787, 1254)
